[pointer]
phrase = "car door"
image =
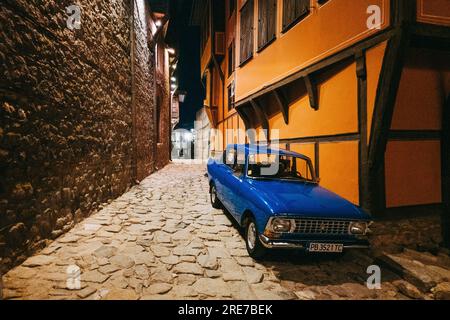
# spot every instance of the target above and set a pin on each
(233, 183)
(222, 171)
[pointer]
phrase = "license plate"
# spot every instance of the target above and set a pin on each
(325, 247)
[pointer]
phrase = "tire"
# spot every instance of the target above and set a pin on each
(215, 202)
(255, 248)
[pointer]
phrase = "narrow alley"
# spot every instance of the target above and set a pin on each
(163, 240)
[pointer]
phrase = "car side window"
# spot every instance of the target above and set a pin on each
(234, 161)
(239, 164)
(229, 158)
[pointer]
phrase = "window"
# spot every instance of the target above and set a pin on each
(231, 7)
(246, 47)
(267, 15)
(274, 166)
(294, 11)
(321, 2)
(235, 160)
(231, 96)
(231, 59)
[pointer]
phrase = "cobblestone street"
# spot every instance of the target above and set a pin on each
(163, 240)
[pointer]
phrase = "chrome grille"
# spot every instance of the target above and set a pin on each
(311, 226)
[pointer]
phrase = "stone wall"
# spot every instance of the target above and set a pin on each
(144, 93)
(66, 116)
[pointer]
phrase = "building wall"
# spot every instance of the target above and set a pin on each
(341, 23)
(413, 166)
(144, 92)
(66, 121)
(202, 135)
(162, 124)
(331, 136)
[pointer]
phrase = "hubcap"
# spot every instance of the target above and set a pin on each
(251, 235)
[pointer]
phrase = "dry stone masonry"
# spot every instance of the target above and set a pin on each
(66, 116)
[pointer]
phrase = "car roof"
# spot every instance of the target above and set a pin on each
(263, 148)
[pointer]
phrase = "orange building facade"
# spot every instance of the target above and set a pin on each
(361, 87)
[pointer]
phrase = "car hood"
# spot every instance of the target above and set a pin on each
(304, 199)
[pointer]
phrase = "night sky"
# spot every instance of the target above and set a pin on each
(186, 40)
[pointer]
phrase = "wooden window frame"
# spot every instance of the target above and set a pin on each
(269, 38)
(250, 5)
(231, 58)
(286, 27)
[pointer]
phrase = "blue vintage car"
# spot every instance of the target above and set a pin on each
(275, 196)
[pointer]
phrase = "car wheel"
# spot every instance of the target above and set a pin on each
(254, 246)
(215, 202)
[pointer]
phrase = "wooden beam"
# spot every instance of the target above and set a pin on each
(328, 138)
(445, 173)
(414, 135)
(282, 103)
(311, 87)
(386, 95)
(257, 108)
(244, 118)
(361, 75)
(248, 128)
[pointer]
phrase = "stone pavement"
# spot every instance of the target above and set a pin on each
(163, 240)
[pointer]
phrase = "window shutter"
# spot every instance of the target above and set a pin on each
(266, 22)
(246, 44)
(293, 11)
(288, 12)
(302, 7)
(262, 23)
(272, 18)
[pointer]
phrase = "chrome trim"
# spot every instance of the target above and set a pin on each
(279, 244)
(266, 242)
(322, 226)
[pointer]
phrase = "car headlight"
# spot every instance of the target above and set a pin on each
(282, 225)
(358, 227)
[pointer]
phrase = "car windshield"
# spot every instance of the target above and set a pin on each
(275, 166)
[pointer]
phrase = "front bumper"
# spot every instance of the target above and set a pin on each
(304, 244)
